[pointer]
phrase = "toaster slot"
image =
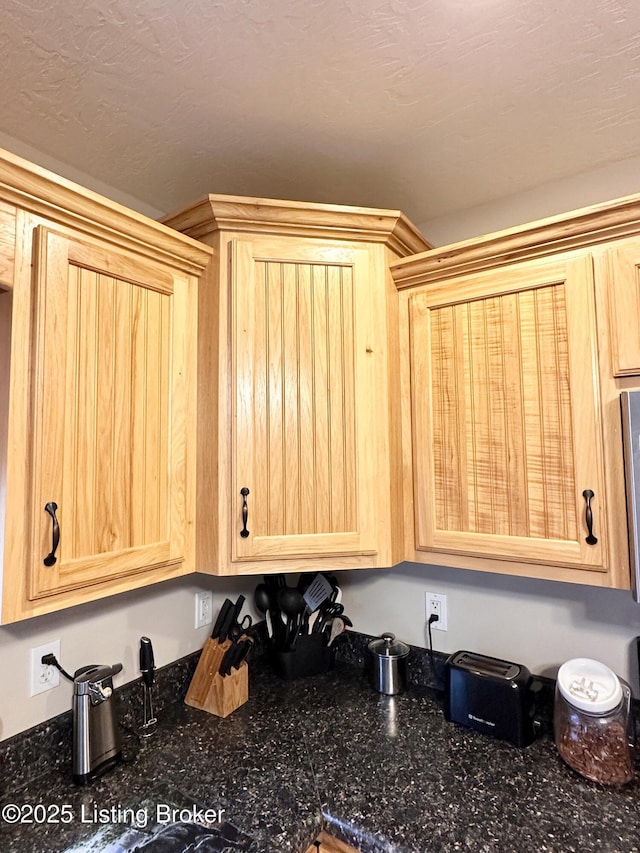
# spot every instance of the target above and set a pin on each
(483, 665)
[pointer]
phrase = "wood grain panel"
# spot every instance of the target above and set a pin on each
(514, 430)
(303, 381)
(6, 306)
(329, 844)
(139, 411)
(291, 398)
(155, 419)
(122, 481)
(302, 430)
(116, 429)
(338, 486)
(275, 455)
(86, 391)
(305, 405)
(321, 393)
(506, 414)
(105, 415)
(498, 396)
(349, 396)
(7, 244)
(624, 297)
(480, 464)
(108, 342)
(50, 367)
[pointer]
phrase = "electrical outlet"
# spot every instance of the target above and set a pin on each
(44, 676)
(437, 604)
(204, 609)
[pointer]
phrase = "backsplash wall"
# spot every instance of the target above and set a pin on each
(537, 623)
(106, 631)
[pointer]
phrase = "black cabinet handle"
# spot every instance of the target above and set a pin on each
(588, 495)
(51, 558)
(244, 491)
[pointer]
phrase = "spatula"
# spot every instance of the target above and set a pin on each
(318, 591)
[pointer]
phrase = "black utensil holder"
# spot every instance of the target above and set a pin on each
(309, 657)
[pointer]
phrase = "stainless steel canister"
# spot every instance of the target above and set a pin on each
(388, 664)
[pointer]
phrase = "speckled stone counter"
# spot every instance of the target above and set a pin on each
(385, 774)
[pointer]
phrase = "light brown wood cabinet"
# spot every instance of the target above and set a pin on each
(515, 348)
(504, 408)
(99, 395)
(329, 393)
(328, 844)
(302, 328)
(623, 269)
(299, 423)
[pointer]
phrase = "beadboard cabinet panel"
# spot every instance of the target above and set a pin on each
(109, 441)
(300, 443)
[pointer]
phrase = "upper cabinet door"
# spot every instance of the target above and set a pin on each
(108, 403)
(506, 429)
(624, 293)
(304, 390)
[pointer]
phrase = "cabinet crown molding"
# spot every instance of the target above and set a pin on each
(298, 219)
(41, 192)
(545, 237)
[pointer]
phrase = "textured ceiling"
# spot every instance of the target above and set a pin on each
(425, 105)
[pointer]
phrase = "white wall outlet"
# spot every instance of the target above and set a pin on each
(204, 609)
(437, 605)
(44, 676)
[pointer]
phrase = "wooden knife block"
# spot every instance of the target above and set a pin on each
(210, 691)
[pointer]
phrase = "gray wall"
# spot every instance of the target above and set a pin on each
(537, 623)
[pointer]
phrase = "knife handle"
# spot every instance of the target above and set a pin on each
(234, 656)
(222, 618)
(230, 627)
(228, 659)
(228, 623)
(243, 654)
(238, 607)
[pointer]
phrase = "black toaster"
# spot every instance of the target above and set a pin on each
(492, 696)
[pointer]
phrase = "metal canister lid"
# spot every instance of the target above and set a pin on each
(589, 685)
(388, 646)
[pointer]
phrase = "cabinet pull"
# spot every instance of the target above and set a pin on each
(244, 491)
(51, 558)
(588, 495)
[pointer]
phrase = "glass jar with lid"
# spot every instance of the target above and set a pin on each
(592, 722)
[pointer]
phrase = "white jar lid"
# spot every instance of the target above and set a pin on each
(589, 685)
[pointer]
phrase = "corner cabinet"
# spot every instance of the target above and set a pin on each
(99, 447)
(514, 349)
(298, 422)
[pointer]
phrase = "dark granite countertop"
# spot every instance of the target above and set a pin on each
(385, 774)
